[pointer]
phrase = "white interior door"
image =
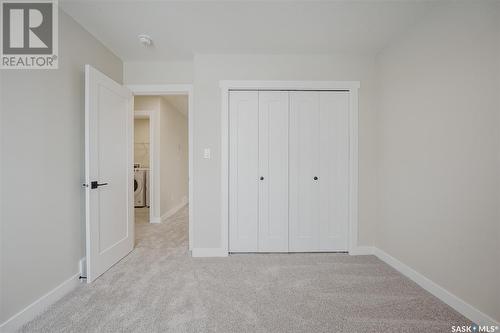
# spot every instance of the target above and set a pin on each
(108, 172)
(243, 171)
(273, 166)
(319, 171)
(304, 168)
(333, 170)
(289, 171)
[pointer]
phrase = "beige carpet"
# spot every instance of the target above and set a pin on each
(159, 288)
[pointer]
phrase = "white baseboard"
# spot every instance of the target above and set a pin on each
(171, 212)
(155, 220)
(444, 295)
(362, 251)
(209, 252)
(34, 309)
(82, 264)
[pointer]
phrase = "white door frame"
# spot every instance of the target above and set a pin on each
(349, 86)
(176, 89)
(154, 162)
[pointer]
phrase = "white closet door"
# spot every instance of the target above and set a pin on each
(333, 170)
(319, 149)
(243, 171)
(273, 166)
(304, 160)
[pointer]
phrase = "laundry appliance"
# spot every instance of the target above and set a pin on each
(140, 188)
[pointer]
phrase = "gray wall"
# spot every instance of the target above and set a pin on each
(439, 170)
(42, 151)
(158, 72)
(173, 158)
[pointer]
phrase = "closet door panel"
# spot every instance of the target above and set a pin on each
(273, 165)
(243, 171)
(304, 160)
(334, 170)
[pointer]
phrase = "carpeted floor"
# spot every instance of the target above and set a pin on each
(159, 288)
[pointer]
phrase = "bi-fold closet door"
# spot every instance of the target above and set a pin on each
(319, 171)
(258, 171)
(288, 170)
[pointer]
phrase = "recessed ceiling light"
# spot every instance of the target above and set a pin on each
(145, 40)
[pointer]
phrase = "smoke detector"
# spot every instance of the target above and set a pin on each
(145, 40)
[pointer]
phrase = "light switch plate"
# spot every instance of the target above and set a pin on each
(206, 153)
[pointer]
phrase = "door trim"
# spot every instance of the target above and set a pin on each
(349, 86)
(177, 89)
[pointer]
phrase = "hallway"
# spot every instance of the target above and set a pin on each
(171, 235)
(158, 287)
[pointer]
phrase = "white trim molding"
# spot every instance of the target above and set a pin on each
(362, 251)
(435, 289)
(82, 266)
(349, 86)
(209, 252)
(176, 89)
(155, 220)
(444, 295)
(40, 305)
(227, 85)
(160, 89)
(171, 212)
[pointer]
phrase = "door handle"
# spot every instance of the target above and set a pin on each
(94, 184)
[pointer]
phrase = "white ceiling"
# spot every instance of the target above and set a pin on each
(179, 102)
(183, 28)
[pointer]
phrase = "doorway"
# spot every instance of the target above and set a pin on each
(166, 114)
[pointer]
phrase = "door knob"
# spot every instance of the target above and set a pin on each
(261, 178)
(315, 178)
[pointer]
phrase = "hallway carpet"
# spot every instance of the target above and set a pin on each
(158, 287)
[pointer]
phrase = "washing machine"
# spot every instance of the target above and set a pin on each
(139, 187)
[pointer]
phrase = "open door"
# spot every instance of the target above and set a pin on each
(108, 172)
